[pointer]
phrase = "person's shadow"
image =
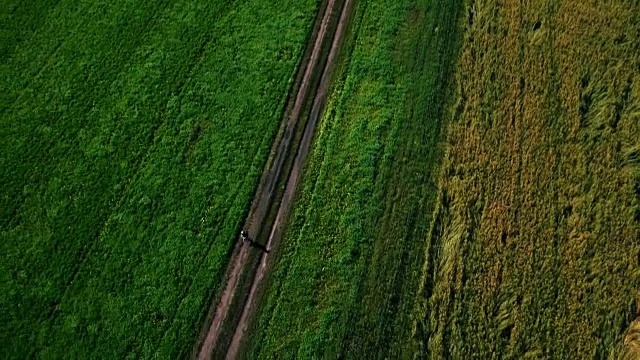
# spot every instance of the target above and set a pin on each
(257, 245)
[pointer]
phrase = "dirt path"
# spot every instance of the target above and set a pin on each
(267, 191)
(292, 184)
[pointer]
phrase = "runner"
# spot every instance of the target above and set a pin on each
(244, 234)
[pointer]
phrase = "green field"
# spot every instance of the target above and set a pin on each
(133, 134)
(349, 266)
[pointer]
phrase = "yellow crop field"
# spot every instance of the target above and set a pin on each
(534, 249)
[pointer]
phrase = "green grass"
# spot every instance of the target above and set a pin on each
(133, 134)
(19, 22)
(347, 274)
(534, 250)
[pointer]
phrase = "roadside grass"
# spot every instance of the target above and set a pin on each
(534, 249)
(345, 279)
(133, 137)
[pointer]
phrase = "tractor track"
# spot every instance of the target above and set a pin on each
(224, 331)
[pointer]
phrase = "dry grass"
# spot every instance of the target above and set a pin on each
(631, 343)
(534, 248)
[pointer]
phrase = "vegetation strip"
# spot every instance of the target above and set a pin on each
(381, 125)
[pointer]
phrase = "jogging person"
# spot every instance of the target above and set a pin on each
(244, 234)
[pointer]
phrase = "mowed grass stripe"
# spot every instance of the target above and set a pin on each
(170, 182)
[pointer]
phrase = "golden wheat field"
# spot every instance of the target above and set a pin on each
(534, 249)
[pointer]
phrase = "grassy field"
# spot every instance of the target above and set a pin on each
(534, 251)
(473, 190)
(132, 137)
(346, 278)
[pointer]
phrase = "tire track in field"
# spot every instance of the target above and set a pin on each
(292, 183)
(266, 195)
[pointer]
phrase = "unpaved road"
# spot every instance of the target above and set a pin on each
(267, 191)
(292, 184)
